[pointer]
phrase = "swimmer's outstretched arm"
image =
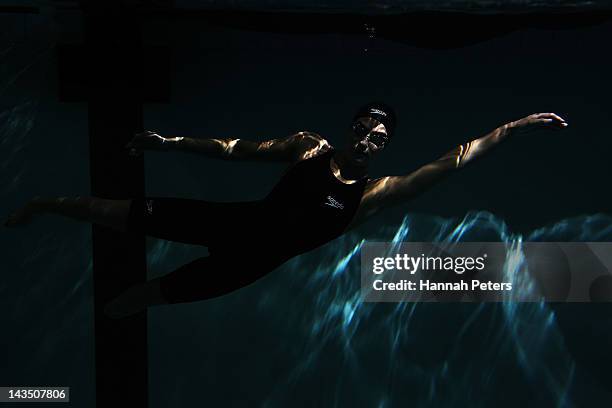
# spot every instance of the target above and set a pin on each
(286, 149)
(393, 190)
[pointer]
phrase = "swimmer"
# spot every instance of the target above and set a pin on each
(323, 193)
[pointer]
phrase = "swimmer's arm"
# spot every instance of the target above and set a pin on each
(393, 190)
(287, 149)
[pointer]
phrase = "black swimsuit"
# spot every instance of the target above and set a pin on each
(307, 208)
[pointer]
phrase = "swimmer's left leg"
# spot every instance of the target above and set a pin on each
(135, 299)
(204, 278)
(107, 212)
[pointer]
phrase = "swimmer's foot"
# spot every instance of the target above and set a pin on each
(135, 299)
(126, 304)
(24, 215)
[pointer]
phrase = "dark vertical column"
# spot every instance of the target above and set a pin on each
(113, 51)
(108, 72)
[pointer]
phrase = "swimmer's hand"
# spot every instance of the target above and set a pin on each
(148, 140)
(538, 121)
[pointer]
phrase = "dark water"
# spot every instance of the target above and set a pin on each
(301, 336)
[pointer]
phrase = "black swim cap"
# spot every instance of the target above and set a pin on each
(381, 112)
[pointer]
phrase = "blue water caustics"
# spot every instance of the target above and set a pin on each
(422, 353)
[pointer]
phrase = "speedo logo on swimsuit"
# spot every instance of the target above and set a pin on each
(332, 202)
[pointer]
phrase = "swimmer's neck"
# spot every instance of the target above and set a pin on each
(347, 168)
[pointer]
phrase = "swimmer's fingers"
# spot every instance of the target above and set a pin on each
(134, 152)
(141, 141)
(550, 115)
(538, 121)
(552, 120)
(133, 147)
(132, 143)
(554, 124)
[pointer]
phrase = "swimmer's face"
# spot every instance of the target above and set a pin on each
(368, 137)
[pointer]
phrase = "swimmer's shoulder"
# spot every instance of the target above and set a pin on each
(311, 144)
